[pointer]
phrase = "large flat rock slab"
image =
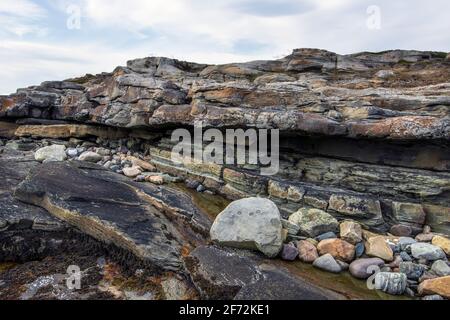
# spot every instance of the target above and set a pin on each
(114, 209)
(14, 167)
(224, 273)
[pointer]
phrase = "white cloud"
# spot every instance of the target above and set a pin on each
(32, 49)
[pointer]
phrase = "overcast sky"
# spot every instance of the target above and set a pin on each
(47, 39)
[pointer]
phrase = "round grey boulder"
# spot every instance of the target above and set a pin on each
(252, 223)
(54, 152)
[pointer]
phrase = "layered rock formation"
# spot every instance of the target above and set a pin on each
(363, 136)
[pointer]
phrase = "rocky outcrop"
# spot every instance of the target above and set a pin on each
(116, 211)
(370, 129)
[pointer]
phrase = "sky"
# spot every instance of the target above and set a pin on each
(57, 39)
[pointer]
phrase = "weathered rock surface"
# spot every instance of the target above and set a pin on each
(51, 153)
(327, 263)
(338, 248)
(351, 232)
(313, 222)
(363, 135)
(223, 273)
(443, 243)
(252, 223)
(427, 251)
(392, 283)
(307, 252)
(378, 247)
(115, 210)
(439, 286)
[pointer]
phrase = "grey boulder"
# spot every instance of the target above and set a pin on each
(252, 223)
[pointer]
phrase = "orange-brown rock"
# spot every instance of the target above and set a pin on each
(440, 286)
(338, 248)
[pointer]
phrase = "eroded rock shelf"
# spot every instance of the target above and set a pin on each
(362, 137)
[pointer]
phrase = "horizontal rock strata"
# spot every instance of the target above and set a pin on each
(363, 136)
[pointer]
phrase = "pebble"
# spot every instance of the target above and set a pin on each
(90, 156)
(433, 297)
(412, 270)
(425, 237)
(405, 242)
(201, 188)
(401, 230)
(307, 252)
(427, 251)
(405, 256)
(72, 152)
(327, 263)
(289, 252)
(391, 282)
(327, 235)
(192, 184)
(359, 249)
(132, 172)
(363, 268)
(440, 268)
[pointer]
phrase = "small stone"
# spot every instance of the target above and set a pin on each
(289, 252)
(313, 222)
(54, 152)
(327, 235)
(413, 271)
(385, 74)
(359, 249)
(427, 251)
(364, 268)
(72, 152)
(327, 263)
(396, 262)
(425, 237)
(307, 252)
(201, 188)
(192, 184)
(401, 230)
(391, 282)
(378, 247)
(405, 256)
(440, 268)
(292, 229)
(90, 156)
(338, 248)
(427, 275)
(132, 172)
(351, 232)
(158, 180)
(433, 297)
(426, 229)
(439, 286)
(443, 243)
(409, 292)
(344, 265)
(405, 242)
(103, 152)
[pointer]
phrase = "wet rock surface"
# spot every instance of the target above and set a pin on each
(107, 207)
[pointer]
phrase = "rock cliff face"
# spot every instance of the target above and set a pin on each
(363, 136)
